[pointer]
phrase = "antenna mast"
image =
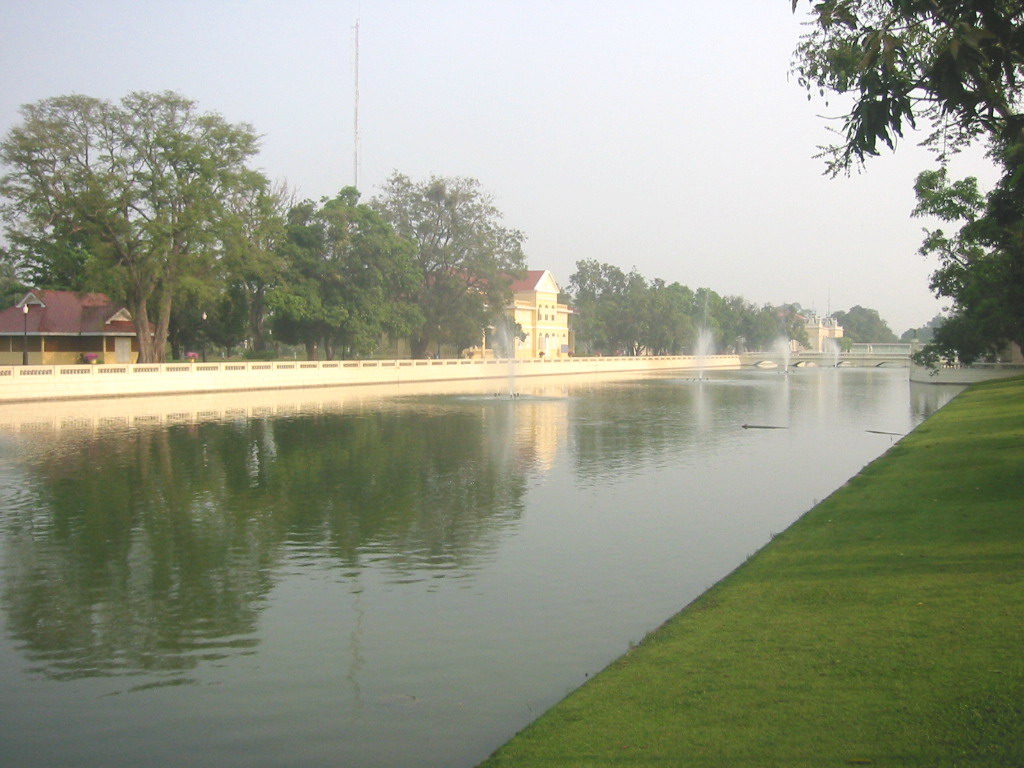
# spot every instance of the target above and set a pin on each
(355, 121)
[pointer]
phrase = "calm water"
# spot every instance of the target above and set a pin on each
(334, 578)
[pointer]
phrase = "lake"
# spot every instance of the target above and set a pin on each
(400, 577)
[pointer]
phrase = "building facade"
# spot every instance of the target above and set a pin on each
(535, 324)
(64, 328)
(819, 330)
(546, 331)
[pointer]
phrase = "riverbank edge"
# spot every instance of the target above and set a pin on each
(883, 627)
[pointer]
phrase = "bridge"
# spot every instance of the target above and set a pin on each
(775, 358)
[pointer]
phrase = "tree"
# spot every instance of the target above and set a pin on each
(925, 333)
(253, 261)
(670, 328)
(349, 278)
(11, 289)
(608, 319)
(861, 324)
(620, 313)
(465, 257)
(133, 191)
(793, 322)
(981, 265)
(957, 65)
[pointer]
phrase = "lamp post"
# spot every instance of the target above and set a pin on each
(202, 331)
(24, 335)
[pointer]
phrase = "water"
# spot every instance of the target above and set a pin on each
(330, 577)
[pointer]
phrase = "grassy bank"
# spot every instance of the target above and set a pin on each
(885, 627)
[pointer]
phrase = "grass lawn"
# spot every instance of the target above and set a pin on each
(884, 628)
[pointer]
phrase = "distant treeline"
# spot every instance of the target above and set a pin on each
(625, 313)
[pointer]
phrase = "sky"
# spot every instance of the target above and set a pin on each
(666, 136)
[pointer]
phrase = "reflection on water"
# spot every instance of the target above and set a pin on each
(152, 549)
(396, 580)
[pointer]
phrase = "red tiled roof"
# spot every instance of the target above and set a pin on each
(66, 312)
(529, 282)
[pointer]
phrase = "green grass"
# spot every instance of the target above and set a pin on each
(885, 628)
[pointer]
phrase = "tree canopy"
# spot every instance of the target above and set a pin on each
(465, 257)
(953, 64)
(981, 264)
(349, 278)
(625, 313)
(128, 197)
(956, 65)
(861, 324)
(923, 334)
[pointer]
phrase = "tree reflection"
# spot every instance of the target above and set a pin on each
(153, 550)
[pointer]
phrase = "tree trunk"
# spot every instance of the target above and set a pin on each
(140, 316)
(163, 324)
(418, 346)
(257, 319)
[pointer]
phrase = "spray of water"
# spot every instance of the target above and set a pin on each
(832, 350)
(704, 349)
(504, 341)
(782, 348)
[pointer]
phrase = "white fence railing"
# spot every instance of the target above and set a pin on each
(39, 382)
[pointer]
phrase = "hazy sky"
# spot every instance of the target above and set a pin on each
(667, 136)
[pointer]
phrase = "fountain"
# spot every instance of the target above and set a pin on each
(832, 350)
(782, 347)
(504, 339)
(704, 349)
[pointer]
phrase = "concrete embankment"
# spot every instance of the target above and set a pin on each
(960, 375)
(883, 628)
(49, 382)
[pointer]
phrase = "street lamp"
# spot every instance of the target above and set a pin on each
(24, 336)
(202, 331)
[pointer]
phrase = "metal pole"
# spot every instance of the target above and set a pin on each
(355, 116)
(24, 337)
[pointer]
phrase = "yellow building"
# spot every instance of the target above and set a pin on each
(542, 319)
(819, 329)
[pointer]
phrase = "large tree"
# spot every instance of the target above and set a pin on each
(610, 308)
(134, 190)
(254, 263)
(349, 278)
(981, 264)
(465, 256)
(956, 65)
(925, 333)
(861, 324)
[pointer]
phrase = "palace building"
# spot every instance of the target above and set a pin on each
(543, 320)
(819, 329)
(535, 325)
